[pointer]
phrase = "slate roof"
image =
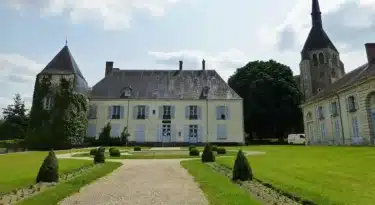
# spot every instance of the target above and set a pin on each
(360, 74)
(163, 84)
(317, 38)
(64, 63)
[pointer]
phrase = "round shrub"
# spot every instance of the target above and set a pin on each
(191, 147)
(221, 150)
(93, 151)
(110, 149)
(49, 171)
(214, 148)
(194, 152)
(137, 148)
(99, 155)
(208, 155)
(114, 152)
(241, 169)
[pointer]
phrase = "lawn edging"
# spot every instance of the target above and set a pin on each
(64, 189)
(218, 189)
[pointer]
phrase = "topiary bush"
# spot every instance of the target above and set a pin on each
(242, 170)
(137, 148)
(99, 155)
(49, 171)
(191, 147)
(194, 152)
(214, 148)
(221, 150)
(111, 148)
(114, 152)
(208, 155)
(93, 151)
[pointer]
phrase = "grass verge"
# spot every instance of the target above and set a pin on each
(64, 189)
(218, 189)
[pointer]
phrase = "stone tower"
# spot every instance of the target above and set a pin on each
(58, 117)
(320, 60)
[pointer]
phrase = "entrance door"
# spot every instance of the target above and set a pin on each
(193, 133)
(166, 133)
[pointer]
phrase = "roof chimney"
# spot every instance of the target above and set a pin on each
(370, 51)
(203, 64)
(180, 66)
(108, 67)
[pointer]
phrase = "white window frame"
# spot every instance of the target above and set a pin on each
(167, 110)
(141, 111)
(222, 111)
(193, 131)
(116, 111)
(193, 110)
(92, 112)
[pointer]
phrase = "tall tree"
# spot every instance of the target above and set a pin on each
(271, 97)
(15, 120)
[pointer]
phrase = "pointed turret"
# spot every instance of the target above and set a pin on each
(317, 38)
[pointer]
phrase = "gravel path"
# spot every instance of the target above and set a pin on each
(141, 182)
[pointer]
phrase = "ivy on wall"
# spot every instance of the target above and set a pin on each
(65, 124)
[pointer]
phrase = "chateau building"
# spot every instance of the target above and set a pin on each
(158, 107)
(339, 108)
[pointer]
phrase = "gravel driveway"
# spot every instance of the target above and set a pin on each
(142, 182)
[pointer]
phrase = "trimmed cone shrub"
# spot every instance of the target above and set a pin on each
(208, 155)
(93, 151)
(114, 152)
(191, 147)
(214, 148)
(194, 152)
(221, 150)
(137, 148)
(49, 171)
(99, 155)
(242, 170)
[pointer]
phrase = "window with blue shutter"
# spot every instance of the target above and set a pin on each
(323, 130)
(337, 128)
(91, 130)
(355, 126)
(192, 112)
(167, 112)
(92, 112)
(116, 112)
(221, 131)
(222, 113)
(140, 112)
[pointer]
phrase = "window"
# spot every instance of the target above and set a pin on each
(193, 131)
(193, 112)
(221, 131)
(323, 130)
(167, 112)
(334, 109)
(221, 113)
(116, 112)
(320, 113)
(334, 60)
(47, 103)
(205, 91)
(355, 126)
(302, 137)
(92, 112)
(337, 129)
(308, 116)
(126, 92)
(141, 112)
(351, 104)
(315, 59)
(321, 58)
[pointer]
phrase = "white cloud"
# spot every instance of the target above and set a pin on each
(112, 14)
(17, 76)
(223, 62)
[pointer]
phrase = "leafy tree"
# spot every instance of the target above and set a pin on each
(105, 135)
(15, 122)
(125, 136)
(271, 98)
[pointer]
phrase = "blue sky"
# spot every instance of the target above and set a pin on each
(145, 34)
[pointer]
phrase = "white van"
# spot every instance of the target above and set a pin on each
(296, 139)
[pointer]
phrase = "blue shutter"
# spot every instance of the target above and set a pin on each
(121, 112)
(227, 112)
(199, 112)
(186, 133)
(110, 112)
(173, 133)
(135, 110)
(160, 112)
(159, 134)
(173, 113)
(218, 132)
(347, 103)
(225, 131)
(337, 126)
(147, 109)
(115, 130)
(140, 133)
(217, 112)
(91, 130)
(200, 133)
(187, 112)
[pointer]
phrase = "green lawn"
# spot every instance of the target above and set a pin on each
(20, 169)
(324, 175)
(218, 189)
(64, 189)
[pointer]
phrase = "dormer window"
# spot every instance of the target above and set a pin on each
(126, 92)
(205, 91)
(351, 104)
(320, 113)
(334, 109)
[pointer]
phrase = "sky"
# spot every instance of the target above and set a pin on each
(156, 34)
